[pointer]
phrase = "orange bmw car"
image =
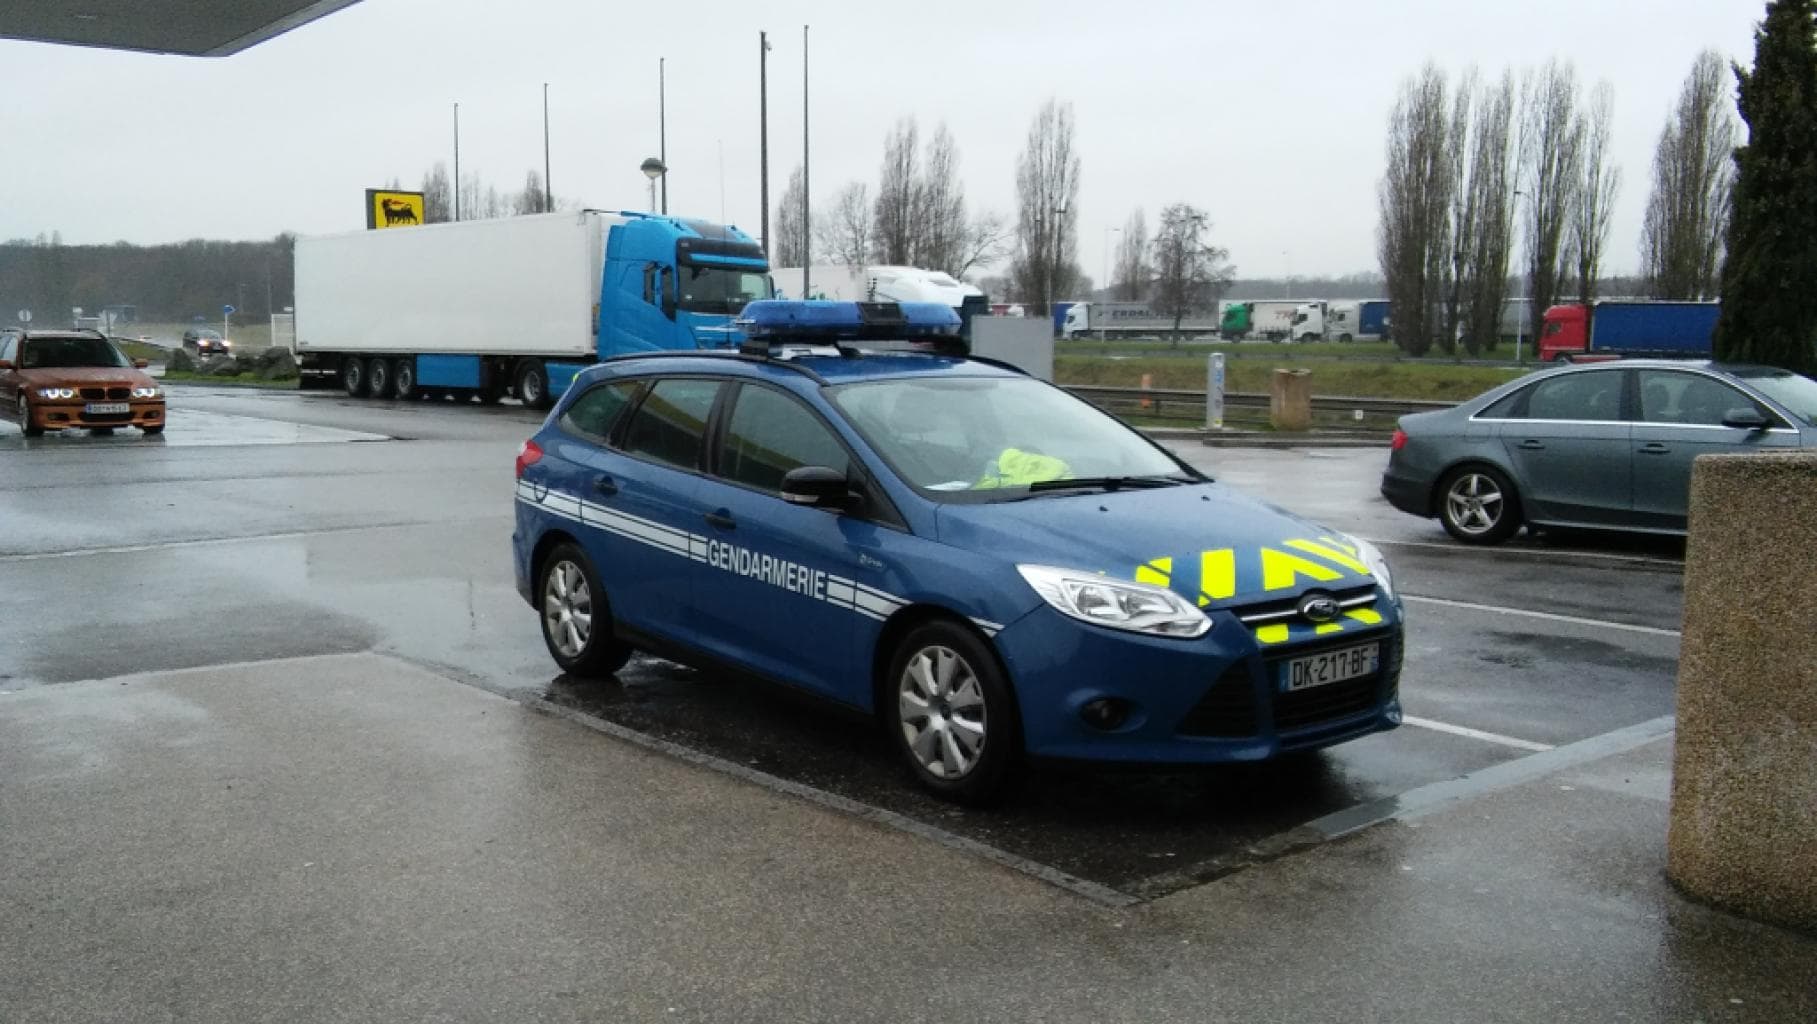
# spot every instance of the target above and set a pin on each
(57, 380)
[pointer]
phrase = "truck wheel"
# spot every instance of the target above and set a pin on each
(1345, 338)
(403, 378)
(533, 384)
(353, 376)
(378, 378)
(949, 709)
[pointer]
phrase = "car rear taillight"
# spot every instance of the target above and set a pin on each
(528, 455)
(1399, 441)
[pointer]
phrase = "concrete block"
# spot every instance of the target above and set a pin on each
(1743, 833)
(1290, 400)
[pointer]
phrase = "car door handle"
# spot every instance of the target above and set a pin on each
(605, 485)
(722, 520)
(1532, 445)
(1654, 448)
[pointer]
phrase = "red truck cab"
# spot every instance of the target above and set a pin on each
(1565, 334)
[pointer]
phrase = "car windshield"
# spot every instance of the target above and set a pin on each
(1795, 393)
(992, 439)
(721, 290)
(43, 353)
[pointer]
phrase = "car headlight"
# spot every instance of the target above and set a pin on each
(226, 344)
(56, 392)
(1372, 556)
(1117, 604)
(147, 393)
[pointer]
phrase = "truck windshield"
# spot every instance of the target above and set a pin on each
(1797, 394)
(721, 289)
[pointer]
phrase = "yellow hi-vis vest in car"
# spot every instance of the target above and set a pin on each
(1017, 468)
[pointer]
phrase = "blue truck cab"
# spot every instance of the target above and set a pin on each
(988, 565)
(674, 284)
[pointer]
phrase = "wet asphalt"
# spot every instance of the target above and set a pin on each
(273, 525)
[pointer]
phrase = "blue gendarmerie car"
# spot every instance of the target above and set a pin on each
(990, 566)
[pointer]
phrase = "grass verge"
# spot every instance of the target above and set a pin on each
(244, 380)
(1436, 381)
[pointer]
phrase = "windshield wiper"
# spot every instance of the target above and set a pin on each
(1106, 483)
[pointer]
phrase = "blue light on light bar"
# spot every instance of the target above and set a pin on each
(772, 320)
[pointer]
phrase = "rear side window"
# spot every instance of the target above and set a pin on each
(671, 422)
(1593, 395)
(769, 434)
(593, 414)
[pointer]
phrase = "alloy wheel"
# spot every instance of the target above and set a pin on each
(567, 608)
(1475, 503)
(940, 705)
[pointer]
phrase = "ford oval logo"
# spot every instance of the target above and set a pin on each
(1319, 608)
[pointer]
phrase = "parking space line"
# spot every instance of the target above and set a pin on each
(1576, 620)
(1476, 734)
(1459, 549)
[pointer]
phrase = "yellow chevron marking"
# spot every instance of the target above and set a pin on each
(1330, 554)
(1158, 572)
(1217, 575)
(1328, 627)
(1275, 634)
(1281, 571)
(1366, 616)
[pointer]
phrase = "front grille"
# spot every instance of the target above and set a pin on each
(1227, 709)
(119, 394)
(1288, 609)
(107, 417)
(94, 393)
(105, 394)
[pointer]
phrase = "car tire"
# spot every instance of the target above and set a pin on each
(353, 376)
(378, 378)
(403, 379)
(25, 418)
(947, 706)
(533, 384)
(1479, 505)
(576, 621)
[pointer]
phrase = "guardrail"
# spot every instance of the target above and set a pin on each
(1172, 403)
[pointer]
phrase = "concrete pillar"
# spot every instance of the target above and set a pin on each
(1290, 400)
(1743, 830)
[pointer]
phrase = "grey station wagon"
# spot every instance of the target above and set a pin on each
(1603, 446)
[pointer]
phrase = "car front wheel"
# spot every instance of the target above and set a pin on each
(1478, 505)
(25, 418)
(577, 624)
(953, 719)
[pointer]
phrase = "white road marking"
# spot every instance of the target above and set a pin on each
(1476, 734)
(1576, 620)
(202, 542)
(1532, 552)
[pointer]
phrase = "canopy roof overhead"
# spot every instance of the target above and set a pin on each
(196, 28)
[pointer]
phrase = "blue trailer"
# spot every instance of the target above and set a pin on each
(1372, 319)
(515, 305)
(1680, 330)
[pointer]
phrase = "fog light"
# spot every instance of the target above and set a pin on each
(1105, 713)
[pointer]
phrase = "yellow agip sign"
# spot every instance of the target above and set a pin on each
(389, 209)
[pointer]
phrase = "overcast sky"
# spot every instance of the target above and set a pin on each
(1267, 114)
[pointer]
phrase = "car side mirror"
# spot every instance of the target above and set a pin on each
(6, 364)
(1745, 419)
(140, 364)
(817, 487)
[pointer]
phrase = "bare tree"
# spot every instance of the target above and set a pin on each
(1190, 273)
(1131, 275)
(987, 240)
(1411, 237)
(940, 224)
(791, 245)
(1462, 215)
(534, 198)
(1047, 190)
(1596, 196)
(899, 195)
(1491, 209)
(438, 195)
(844, 232)
(1551, 161)
(1693, 176)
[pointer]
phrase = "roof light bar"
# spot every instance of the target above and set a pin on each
(768, 322)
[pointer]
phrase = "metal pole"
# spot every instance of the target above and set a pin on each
(1214, 392)
(722, 181)
(457, 161)
(662, 126)
(763, 133)
(548, 185)
(807, 256)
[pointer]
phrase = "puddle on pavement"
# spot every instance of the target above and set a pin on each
(191, 428)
